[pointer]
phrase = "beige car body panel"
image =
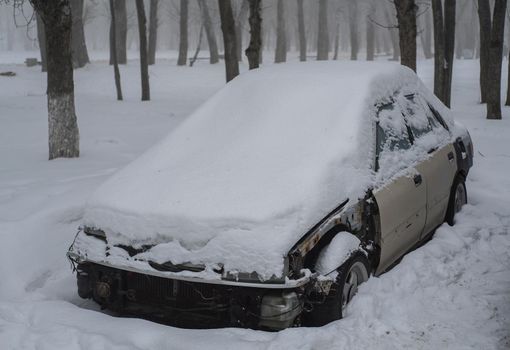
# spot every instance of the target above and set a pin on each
(402, 212)
(439, 170)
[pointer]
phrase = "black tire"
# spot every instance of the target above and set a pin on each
(333, 307)
(458, 197)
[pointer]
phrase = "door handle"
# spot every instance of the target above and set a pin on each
(450, 156)
(417, 179)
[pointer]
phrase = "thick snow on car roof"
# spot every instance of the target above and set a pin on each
(254, 168)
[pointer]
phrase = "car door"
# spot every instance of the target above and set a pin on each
(400, 192)
(438, 166)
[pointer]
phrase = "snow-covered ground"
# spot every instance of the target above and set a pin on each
(453, 293)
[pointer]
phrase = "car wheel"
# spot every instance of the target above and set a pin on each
(458, 197)
(351, 274)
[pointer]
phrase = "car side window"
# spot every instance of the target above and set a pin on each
(392, 135)
(416, 116)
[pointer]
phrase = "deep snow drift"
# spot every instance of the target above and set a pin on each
(454, 292)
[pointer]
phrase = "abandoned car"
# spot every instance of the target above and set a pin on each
(270, 204)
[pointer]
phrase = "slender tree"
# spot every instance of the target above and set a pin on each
(484, 15)
(79, 47)
(494, 32)
(444, 43)
(153, 31)
(183, 34)
(63, 130)
(281, 37)
(120, 31)
(323, 32)
(426, 34)
(228, 28)
(301, 30)
(406, 17)
(254, 49)
(241, 19)
(199, 44)
(353, 29)
(113, 51)
(209, 31)
(370, 41)
(144, 67)
(41, 38)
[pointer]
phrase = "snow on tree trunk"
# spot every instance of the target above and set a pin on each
(79, 47)
(63, 133)
(229, 39)
(253, 50)
(120, 31)
(281, 37)
(183, 34)
(214, 57)
(144, 68)
(301, 30)
(153, 31)
(323, 32)
(406, 17)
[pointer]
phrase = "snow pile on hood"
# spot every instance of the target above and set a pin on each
(254, 168)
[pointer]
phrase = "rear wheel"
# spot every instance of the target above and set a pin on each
(458, 197)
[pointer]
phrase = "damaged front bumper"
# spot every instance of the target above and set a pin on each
(185, 302)
(188, 295)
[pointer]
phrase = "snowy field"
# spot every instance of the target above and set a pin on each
(453, 293)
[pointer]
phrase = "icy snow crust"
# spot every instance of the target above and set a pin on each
(253, 169)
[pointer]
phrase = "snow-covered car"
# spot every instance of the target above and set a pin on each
(270, 204)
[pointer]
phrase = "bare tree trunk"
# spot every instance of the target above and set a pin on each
(144, 67)
(507, 102)
(120, 31)
(241, 18)
(493, 94)
(426, 37)
(209, 31)
(281, 37)
(370, 40)
(153, 31)
(449, 27)
(394, 35)
(337, 39)
(113, 51)
(323, 32)
(301, 29)
(63, 140)
(41, 38)
(79, 48)
(406, 17)
(444, 42)
(228, 27)
(253, 51)
(183, 34)
(484, 15)
(353, 29)
(199, 43)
